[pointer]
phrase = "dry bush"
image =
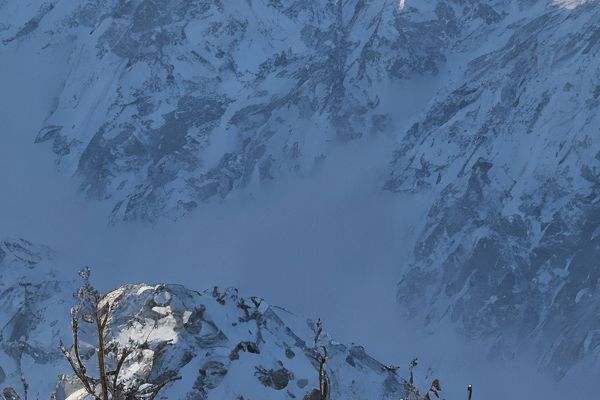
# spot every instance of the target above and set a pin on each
(111, 357)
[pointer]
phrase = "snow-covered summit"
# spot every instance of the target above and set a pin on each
(218, 344)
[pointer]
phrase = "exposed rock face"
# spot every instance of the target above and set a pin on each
(169, 104)
(221, 344)
(510, 246)
(33, 303)
(195, 335)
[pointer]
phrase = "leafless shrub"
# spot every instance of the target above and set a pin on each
(111, 357)
(320, 355)
(411, 390)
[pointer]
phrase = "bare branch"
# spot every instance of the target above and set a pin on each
(78, 372)
(321, 357)
(157, 388)
(75, 330)
(93, 309)
(100, 326)
(124, 354)
(323, 378)
(318, 332)
(25, 387)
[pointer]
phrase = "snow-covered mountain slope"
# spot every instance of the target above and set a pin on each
(511, 155)
(168, 104)
(221, 345)
(33, 306)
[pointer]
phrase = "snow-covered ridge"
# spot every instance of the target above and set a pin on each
(221, 345)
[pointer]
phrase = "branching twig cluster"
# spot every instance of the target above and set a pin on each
(413, 393)
(321, 357)
(111, 358)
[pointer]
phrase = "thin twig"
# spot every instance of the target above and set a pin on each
(100, 325)
(124, 354)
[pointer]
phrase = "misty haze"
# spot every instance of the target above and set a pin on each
(299, 199)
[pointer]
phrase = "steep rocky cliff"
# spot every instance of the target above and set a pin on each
(169, 104)
(511, 151)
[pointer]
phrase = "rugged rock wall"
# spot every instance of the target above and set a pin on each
(169, 104)
(511, 151)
